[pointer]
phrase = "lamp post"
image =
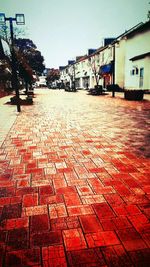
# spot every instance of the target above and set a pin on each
(20, 20)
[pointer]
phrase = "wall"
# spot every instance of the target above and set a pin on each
(147, 73)
(137, 45)
(120, 62)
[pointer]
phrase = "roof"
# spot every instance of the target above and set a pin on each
(129, 33)
(81, 58)
(141, 28)
(140, 56)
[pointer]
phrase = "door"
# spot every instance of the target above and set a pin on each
(141, 77)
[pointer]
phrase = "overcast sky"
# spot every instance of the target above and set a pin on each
(64, 29)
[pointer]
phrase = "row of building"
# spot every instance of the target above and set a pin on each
(124, 61)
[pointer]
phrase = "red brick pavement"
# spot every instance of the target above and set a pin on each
(74, 183)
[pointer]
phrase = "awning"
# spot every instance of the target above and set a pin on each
(105, 69)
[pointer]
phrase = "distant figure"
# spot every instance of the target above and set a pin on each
(87, 86)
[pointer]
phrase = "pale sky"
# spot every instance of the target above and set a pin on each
(64, 29)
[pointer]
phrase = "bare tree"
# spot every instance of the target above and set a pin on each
(93, 63)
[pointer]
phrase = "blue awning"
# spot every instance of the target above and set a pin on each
(105, 69)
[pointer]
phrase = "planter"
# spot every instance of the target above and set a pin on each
(134, 94)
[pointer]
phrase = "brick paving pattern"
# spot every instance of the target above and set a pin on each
(7, 117)
(74, 183)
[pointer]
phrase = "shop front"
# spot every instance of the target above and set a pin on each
(86, 82)
(106, 72)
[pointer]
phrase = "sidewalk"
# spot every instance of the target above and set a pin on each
(7, 117)
(74, 182)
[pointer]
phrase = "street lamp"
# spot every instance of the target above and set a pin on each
(20, 20)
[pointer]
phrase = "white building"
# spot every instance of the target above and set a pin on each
(137, 58)
(82, 72)
(125, 62)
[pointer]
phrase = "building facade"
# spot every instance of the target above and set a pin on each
(124, 61)
(137, 58)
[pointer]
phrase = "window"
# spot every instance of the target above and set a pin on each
(134, 71)
(110, 51)
(102, 56)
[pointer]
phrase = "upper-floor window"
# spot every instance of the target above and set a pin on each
(111, 51)
(102, 56)
(134, 71)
